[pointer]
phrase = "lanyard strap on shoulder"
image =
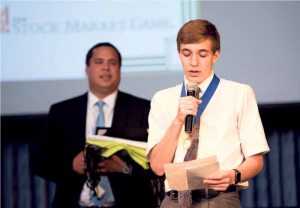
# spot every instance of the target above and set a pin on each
(205, 98)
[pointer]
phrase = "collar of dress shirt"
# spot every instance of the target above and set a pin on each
(203, 85)
(109, 100)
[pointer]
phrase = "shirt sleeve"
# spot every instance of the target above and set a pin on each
(252, 136)
(153, 119)
(160, 118)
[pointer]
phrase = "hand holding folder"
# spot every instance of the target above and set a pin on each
(136, 149)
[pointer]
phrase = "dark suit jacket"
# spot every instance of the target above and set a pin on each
(64, 138)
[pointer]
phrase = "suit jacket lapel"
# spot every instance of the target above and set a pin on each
(119, 118)
(79, 121)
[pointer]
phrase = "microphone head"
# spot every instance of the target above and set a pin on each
(191, 86)
(192, 89)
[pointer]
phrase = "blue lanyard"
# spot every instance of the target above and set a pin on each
(205, 98)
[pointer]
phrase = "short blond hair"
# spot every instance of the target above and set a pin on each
(199, 30)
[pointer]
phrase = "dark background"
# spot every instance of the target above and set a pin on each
(277, 185)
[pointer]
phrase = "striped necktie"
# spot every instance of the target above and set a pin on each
(108, 197)
(185, 197)
(100, 122)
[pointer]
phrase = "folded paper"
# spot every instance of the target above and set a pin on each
(189, 175)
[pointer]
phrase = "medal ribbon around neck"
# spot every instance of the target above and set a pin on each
(205, 98)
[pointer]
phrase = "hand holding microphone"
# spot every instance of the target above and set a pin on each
(192, 89)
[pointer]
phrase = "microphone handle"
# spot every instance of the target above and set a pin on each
(189, 118)
(189, 123)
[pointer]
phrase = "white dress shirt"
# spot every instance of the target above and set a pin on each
(230, 126)
(92, 111)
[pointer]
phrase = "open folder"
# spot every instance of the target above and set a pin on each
(189, 175)
(135, 149)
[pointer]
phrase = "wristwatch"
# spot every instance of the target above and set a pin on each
(237, 176)
(126, 169)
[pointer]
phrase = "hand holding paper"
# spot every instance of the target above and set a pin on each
(189, 175)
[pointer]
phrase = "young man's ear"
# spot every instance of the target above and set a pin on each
(216, 57)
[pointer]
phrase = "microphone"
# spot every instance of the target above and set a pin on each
(191, 89)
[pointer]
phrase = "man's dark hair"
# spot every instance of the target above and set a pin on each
(90, 52)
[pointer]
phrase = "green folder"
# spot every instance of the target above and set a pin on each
(136, 149)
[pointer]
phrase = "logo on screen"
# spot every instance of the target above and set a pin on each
(4, 20)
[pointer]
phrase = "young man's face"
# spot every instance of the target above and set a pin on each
(103, 71)
(197, 60)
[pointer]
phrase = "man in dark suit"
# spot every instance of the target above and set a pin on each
(59, 156)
